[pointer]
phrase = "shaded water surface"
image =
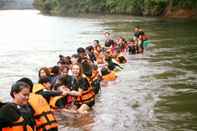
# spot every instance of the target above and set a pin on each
(156, 91)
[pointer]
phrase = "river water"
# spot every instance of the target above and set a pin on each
(156, 91)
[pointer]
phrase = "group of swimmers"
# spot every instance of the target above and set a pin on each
(70, 86)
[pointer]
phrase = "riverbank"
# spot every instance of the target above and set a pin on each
(176, 9)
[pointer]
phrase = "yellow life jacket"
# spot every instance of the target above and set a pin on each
(19, 125)
(37, 87)
(87, 96)
(43, 115)
(53, 101)
(110, 77)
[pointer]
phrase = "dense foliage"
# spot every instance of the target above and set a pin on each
(133, 7)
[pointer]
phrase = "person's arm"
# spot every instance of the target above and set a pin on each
(51, 93)
(75, 93)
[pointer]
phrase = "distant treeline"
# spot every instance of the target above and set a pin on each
(131, 7)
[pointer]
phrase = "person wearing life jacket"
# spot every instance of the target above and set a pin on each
(100, 59)
(132, 47)
(11, 117)
(90, 52)
(84, 94)
(91, 73)
(112, 63)
(141, 40)
(136, 33)
(39, 100)
(108, 75)
(60, 102)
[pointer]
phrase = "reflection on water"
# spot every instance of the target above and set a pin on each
(155, 91)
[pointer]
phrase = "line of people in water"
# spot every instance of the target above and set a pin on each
(70, 86)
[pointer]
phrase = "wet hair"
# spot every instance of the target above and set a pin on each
(67, 60)
(89, 48)
(109, 43)
(44, 80)
(141, 33)
(80, 50)
(97, 41)
(17, 87)
(55, 70)
(61, 57)
(27, 81)
(75, 56)
(45, 69)
(86, 68)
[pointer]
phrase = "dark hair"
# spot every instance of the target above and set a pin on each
(17, 87)
(97, 41)
(81, 50)
(27, 81)
(108, 43)
(141, 33)
(55, 70)
(89, 48)
(44, 80)
(75, 56)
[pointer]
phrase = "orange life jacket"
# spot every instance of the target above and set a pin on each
(87, 96)
(43, 115)
(19, 125)
(110, 77)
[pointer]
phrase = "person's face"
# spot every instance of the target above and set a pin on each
(98, 48)
(76, 70)
(107, 35)
(43, 73)
(64, 72)
(136, 29)
(82, 55)
(74, 60)
(22, 97)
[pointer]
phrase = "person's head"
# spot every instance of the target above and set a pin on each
(76, 70)
(95, 42)
(90, 49)
(64, 71)
(55, 70)
(74, 58)
(108, 43)
(45, 82)
(98, 48)
(136, 29)
(43, 72)
(81, 52)
(107, 35)
(20, 92)
(27, 81)
(87, 68)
